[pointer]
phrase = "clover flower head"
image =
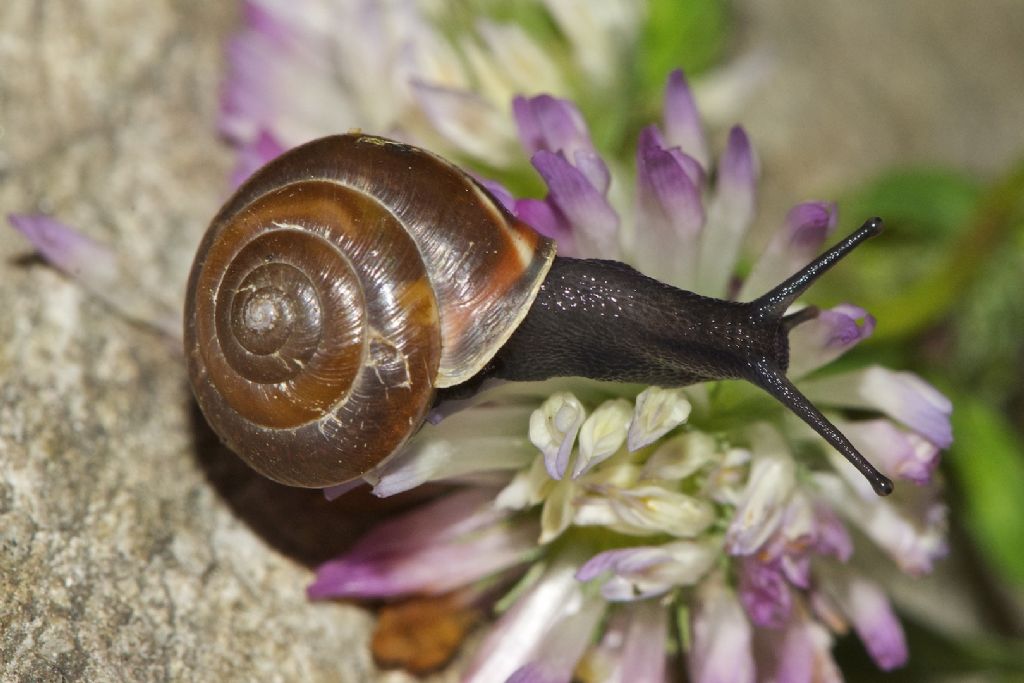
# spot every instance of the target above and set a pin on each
(591, 517)
(608, 512)
(604, 513)
(615, 511)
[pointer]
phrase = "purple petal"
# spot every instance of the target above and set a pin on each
(253, 155)
(67, 249)
(535, 672)
(392, 560)
(595, 223)
(632, 646)
(720, 649)
(877, 625)
(669, 214)
(692, 168)
(799, 652)
(97, 268)
(806, 227)
(682, 119)
(645, 571)
(764, 593)
(551, 124)
(593, 168)
(831, 536)
(498, 191)
(440, 521)
(737, 170)
(868, 608)
(729, 215)
(259, 18)
(796, 568)
(832, 333)
(256, 56)
(418, 571)
(898, 453)
(286, 63)
(624, 560)
(548, 221)
(901, 395)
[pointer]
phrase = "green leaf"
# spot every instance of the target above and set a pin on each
(988, 460)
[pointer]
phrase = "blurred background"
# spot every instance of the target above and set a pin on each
(132, 547)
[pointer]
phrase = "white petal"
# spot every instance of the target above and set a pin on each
(526, 67)
(557, 514)
(643, 653)
(594, 511)
(763, 502)
(602, 435)
(729, 216)
(598, 31)
(680, 457)
(902, 395)
(832, 333)
(641, 572)
(910, 525)
(473, 124)
(654, 509)
(553, 429)
(896, 452)
(558, 654)
(483, 438)
(658, 411)
(517, 635)
(727, 482)
(526, 489)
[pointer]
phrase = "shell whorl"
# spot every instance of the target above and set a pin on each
(336, 290)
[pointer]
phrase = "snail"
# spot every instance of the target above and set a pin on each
(354, 280)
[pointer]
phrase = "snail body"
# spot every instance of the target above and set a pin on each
(350, 280)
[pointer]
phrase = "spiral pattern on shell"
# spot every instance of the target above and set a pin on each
(333, 293)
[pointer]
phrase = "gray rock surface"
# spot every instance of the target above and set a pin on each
(131, 547)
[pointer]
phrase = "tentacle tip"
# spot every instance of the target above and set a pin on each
(882, 485)
(874, 226)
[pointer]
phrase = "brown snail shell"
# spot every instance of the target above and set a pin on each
(336, 290)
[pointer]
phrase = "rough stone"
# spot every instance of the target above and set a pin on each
(131, 546)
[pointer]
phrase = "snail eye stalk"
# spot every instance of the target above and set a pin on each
(766, 374)
(775, 302)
